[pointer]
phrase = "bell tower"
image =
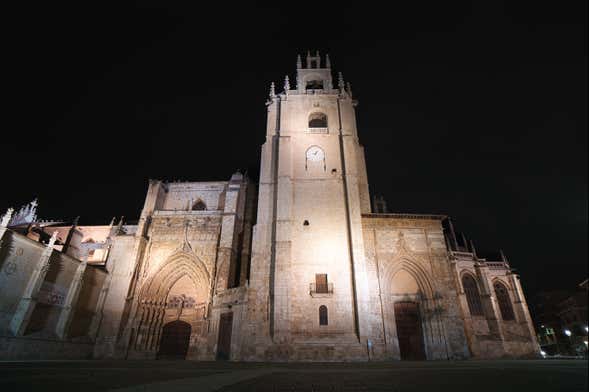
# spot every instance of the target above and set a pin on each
(308, 278)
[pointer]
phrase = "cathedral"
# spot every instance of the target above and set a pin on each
(302, 266)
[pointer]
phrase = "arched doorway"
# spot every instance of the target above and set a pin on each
(175, 340)
(409, 330)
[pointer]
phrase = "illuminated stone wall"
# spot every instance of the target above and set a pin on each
(49, 301)
(313, 190)
(189, 256)
(489, 334)
(407, 260)
(317, 277)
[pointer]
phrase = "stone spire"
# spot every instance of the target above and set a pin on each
(503, 258)
(299, 62)
(272, 91)
(120, 224)
(308, 59)
(349, 89)
(472, 248)
(27, 214)
(286, 84)
(318, 59)
(340, 83)
(6, 218)
(327, 61)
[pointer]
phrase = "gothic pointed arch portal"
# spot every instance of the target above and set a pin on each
(175, 296)
(412, 326)
(406, 306)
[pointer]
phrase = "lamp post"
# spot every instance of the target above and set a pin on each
(568, 333)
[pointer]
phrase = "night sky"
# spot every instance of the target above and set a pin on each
(473, 110)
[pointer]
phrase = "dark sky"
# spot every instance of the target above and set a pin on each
(473, 110)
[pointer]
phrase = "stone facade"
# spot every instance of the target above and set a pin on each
(48, 300)
(295, 268)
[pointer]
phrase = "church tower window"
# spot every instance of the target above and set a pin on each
(199, 206)
(504, 301)
(314, 85)
(317, 120)
(473, 297)
(323, 315)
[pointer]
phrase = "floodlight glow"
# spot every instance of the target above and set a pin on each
(586, 328)
(567, 332)
(543, 353)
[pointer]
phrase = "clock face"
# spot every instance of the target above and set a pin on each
(315, 153)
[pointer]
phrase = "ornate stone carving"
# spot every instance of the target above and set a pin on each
(27, 214)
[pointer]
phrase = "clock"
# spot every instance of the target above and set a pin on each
(315, 154)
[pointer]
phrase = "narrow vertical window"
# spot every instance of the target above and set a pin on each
(473, 297)
(323, 315)
(504, 301)
(321, 283)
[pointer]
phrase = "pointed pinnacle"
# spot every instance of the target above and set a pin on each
(272, 90)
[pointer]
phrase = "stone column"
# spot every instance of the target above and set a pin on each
(489, 306)
(28, 301)
(158, 326)
(71, 300)
(143, 328)
(521, 309)
(227, 242)
(138, 326)
(99, 312)
(154, 326)
(463, 305)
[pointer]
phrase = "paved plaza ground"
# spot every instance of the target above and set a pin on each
(472, 376)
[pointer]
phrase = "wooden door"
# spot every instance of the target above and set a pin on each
(224, 342)
(409, 331)
(175, 340)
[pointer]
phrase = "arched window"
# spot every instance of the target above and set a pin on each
(323, 315)
(472, 295)
(317, 120)
(314, 85)
(504, 301)
(199, 206)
